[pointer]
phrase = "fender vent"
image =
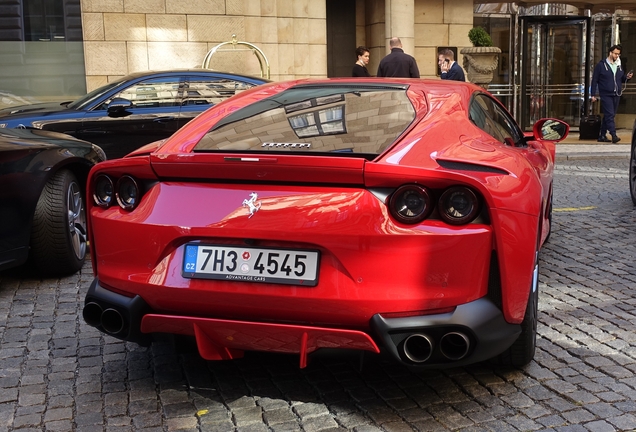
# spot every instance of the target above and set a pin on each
(494, 281)
(464, 166)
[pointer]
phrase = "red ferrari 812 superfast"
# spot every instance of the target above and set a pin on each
(383, 215)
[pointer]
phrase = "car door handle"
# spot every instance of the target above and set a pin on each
(88, 132)
(163, 119)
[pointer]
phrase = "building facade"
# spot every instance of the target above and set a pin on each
(64, 48)
(300, 38)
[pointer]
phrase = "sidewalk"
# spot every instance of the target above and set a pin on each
(574, 148)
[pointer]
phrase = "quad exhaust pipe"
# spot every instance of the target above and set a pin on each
(454, 345)
(92, 314)
(419, 347)
(111, 320)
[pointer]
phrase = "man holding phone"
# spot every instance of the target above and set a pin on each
(608, 78)
(449, 67)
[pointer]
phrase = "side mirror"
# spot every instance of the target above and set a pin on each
(119, 106)
(551, 130)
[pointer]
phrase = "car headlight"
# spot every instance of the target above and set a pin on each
(458, 205)
(3, 125)
(104, 191)
(100, 152)
(128, 193)
(410, 204)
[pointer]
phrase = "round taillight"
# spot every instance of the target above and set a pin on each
(458, 205)
(128, 193)
(410, 204)
(103, 191)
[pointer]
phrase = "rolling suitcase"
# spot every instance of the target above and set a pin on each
(590, 127)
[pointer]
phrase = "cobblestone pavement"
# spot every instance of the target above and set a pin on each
(58, 374)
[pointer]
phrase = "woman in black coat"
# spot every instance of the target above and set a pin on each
(360, 68)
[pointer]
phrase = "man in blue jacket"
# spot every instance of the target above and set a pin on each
(449, 67)
(609, 78)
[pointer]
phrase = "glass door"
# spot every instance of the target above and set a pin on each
(553, 70)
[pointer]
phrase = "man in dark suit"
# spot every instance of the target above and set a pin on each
(398, 64)
(449, 67)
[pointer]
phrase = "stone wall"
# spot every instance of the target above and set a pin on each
(124, 36)
(440, 23)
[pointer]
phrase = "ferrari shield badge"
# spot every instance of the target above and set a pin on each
(251, 204)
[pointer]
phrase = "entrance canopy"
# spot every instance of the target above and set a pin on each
(549, 51)
(596, 6)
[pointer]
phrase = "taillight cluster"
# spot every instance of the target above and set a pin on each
(456, 205)
(126, 191)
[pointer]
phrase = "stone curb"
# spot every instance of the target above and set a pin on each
(591, 155)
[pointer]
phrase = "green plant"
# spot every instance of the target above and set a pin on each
(479, 37)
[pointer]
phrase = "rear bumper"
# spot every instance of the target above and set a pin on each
(115, 314)
(362, 253)
(473, 332)
(219, 339)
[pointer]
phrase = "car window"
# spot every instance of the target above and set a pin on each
(487, 115)
(362, 119)
(151, 93)
(86, 100)
(202, 90)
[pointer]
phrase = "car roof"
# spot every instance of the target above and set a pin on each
(428, 83)
(38, 137)
(139, 74)
(429, 96)
(427, 86)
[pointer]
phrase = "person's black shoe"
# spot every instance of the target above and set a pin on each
(602, 138)
(615, 139)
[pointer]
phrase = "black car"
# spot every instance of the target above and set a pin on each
(632, 165)
(42, 187)
(132, 111)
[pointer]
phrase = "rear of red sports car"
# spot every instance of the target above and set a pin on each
(369, 215)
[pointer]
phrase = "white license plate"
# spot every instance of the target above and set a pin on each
(247, 264)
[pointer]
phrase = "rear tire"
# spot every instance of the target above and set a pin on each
(521, 352)
(632, 173)
(58, 234)
(550, 216)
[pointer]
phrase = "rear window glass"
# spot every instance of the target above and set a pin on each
(317, 119)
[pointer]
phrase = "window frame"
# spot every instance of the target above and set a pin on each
(239, 86)
(498, 123)
(146, 81)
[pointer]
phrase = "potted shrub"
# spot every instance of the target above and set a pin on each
(480, 60)
(479, 37)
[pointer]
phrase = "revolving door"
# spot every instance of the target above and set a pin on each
(552, 69)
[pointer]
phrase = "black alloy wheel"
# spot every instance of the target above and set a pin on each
(58, 235)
